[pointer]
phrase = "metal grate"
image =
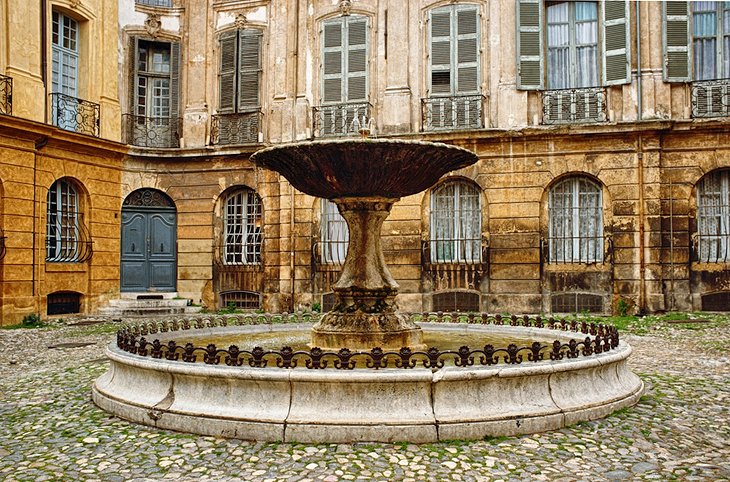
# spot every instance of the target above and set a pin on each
(242, 235)
(456, 301)
(454, 112)
(242, 128)
(63, 303)
(719, 301)
(152, 131)
(576, 303)
(328, 302)
(73, 114)
(711, 98)
(242, 300)
(6, 95)
(334, 235)
(67, 239)
(712, 240)
(340, 119)
(574, 106)
(155, 3)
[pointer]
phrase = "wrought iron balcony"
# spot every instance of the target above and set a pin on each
(6, 95)
(451, 113)
(157, 132)
(68, 241)
(338, 120)
(577, 250)
(240, 128)
(155, 3)
(455, 264)
(711, 98)
(73, 114)
(574, 106)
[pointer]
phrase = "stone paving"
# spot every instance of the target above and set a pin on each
(680, 430)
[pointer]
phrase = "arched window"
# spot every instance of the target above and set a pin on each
(713, 217)
(67, 240)
(575, 226)
(242, 228)
(334, 234)
(456, 227)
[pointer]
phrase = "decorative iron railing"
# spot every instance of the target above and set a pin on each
(6, 95)
(240, 128)
(340, 120)
(574, 106)
(599, 339)
(155, 3)
(68, 241)
(329, 252)
(3, 247)
(455, 264)
(577, 249)
(710, 248)
(711, 98)
(73, 114)
(155, 132)
(455, 112)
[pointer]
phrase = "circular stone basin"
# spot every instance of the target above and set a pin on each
(279, 395)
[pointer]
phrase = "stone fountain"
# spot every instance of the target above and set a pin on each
(364, 178)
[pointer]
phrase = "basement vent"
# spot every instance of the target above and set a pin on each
(63, 303)
(328, 302)
(576, 303)
(150, 297)
(719, 301)
(241, 300)
(456, 301)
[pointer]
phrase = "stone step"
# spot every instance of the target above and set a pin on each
(142, 305)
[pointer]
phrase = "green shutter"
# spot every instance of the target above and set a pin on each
(467, 50)
(332, 90)
(132, 73)
(249, 78)
(616, 46)
(675, 38)
(357, 58)
(174, 81)
(442, 76)
(529, 44)
(227, 72)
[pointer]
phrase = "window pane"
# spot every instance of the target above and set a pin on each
(334, 234)
(242, 235)
(713, 217)
(456, 223)
(575, 227)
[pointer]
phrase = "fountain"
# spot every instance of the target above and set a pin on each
(368, 375)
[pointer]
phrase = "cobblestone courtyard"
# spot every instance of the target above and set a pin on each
(680, 430)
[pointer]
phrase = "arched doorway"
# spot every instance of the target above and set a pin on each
(149, 242)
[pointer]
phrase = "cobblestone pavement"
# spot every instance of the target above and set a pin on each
(680, 430)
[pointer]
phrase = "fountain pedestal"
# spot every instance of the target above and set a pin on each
(365, 315)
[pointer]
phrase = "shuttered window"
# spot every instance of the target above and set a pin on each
(454, 50)
(239, 71)
(156, 80)
(572, 44)
(345, 60)
(675, 36)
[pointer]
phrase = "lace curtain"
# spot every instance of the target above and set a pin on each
(334, 234)
(572, 38)
(575, 222)
(713, 217)
(455, 223)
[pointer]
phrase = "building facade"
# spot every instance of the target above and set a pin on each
(601, 128)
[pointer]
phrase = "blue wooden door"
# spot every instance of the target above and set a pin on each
(149, 255)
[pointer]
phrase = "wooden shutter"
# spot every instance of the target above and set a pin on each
(332, 89)
(530, 45)
(228, 46)
(249, 79)
(467, 50)
(616, 47)
(133, 63)
(676, 41)
(442, 77)
(174, 82)
(357, 58)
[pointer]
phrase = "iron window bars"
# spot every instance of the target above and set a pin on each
(340, 119)
(574, 106)
(74, 114)
(453, 112)
(156, 132)
(6, 95)
(711, 98)
(155, 3)
(237, 128)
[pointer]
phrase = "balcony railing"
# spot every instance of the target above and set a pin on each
(711, 98)
(155, 3)
(574, 106)
(711, 248)
(240, 128)
(577, 250)
(338, 120)
(450, 113)
(6, 95)
(74, 114)
(156, 132)
(455, 264)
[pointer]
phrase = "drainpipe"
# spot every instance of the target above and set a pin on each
(638, 60)
(642, 259)
(292, 240)
(44, 59)
(40, 143)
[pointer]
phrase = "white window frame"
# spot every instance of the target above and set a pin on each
(242, 228)
(575, 230)
(334, 234)
(455, 226)
(63, 233)
(713, 217)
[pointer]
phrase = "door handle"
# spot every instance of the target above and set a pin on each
(162, 248)
(133, 247)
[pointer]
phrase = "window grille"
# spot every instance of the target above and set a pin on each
(456, 301)
(242, 233)
(155, 3)
(67, 240)
(456, 224)
(713, 218)
(576, 303)
(63, 303)
(241, 300)
(575, 226)
(6, 95)
(334, 234)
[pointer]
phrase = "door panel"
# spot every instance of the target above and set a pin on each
(149, 257)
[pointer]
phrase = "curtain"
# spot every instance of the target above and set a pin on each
(456, 229)
(572, 37)
(713, 217)
(558, 40)
(704, 22)
(575, 228)
(334, 234)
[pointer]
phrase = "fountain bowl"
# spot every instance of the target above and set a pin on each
(294, 399)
